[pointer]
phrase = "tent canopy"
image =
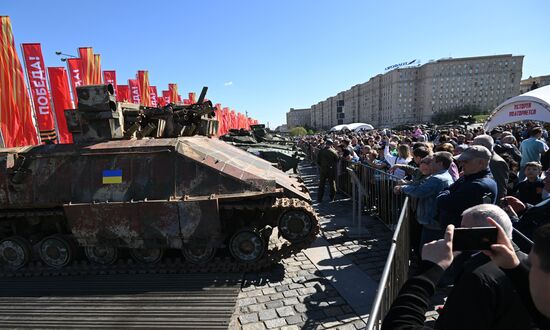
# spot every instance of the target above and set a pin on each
(533, 105)
(352, 127)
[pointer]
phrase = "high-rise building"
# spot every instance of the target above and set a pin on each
(527, 84)
(415, 94)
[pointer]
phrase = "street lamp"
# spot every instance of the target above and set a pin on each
(63, 59)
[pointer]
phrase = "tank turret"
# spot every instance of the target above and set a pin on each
(99, 117)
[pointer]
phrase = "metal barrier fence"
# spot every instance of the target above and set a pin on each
(395, 271)
(394, 211)
(378, 185)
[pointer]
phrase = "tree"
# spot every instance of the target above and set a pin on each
(298, 131)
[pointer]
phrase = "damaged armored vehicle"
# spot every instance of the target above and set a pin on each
(142, 182)
(278, 150)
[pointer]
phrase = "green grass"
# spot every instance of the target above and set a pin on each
(481, 118)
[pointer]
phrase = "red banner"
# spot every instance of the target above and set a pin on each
(61, 95)
(153, 95)
(225, 118)
(87, 64)
(166, 96)
(218, 113)
(109, 77)
(233, 119)
(133, 85)
(75, 72)
(193, 97)
(15, 105)
(144, 93)
(36, 72)
(97, 69)
(173, 88)
(123, 93)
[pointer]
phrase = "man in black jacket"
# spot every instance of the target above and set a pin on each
(475, 187)
(533, 286)
(483, 297)
(327, 159)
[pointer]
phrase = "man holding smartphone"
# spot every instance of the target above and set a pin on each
(533, 285)
(482, 297)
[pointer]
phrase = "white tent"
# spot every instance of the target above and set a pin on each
(338, 128)
(533, 105)
(360, 127)
(352, 127)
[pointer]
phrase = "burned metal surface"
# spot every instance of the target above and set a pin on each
(144, 224)
(239, 164)
(134, 225)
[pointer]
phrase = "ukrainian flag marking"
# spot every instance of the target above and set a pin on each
(112, 176)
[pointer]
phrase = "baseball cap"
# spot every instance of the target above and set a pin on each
(475, 151)
(329, 141)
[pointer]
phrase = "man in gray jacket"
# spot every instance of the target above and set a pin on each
(497, 165)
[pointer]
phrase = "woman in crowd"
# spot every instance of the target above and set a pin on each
(403, 157)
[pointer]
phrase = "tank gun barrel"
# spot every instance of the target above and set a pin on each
(181, 119)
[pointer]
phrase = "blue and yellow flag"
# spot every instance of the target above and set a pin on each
(112, 176)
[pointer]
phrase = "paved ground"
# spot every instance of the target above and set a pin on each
(306, 291)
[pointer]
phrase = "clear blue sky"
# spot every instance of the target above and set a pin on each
(265, 57)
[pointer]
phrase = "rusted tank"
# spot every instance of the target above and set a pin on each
(118, 191)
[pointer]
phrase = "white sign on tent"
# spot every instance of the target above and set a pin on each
(533, 105)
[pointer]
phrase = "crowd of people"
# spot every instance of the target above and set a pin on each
(462, 177)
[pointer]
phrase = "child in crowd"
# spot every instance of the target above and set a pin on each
(530, 189)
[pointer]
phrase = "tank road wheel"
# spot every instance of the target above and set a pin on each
(147, 256)
(15, 252)
(56, 251)
(246, 245)
(295, 225)
(198, 254)
(102, 255)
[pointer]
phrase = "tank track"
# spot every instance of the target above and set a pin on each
(278, 249)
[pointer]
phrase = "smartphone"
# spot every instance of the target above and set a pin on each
(474, 239)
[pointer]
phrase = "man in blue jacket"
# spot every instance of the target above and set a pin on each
(426, 192)
(475, 187)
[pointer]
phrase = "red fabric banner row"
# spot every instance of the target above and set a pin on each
(50, 101)
(16, 120)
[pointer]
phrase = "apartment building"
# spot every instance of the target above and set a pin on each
(415, 94)
(298, 117)
(527, 84)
